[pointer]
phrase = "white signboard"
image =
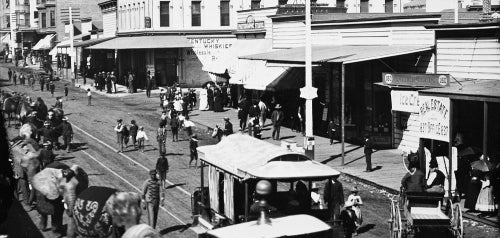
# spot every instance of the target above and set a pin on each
(434, 118)
(404, 101)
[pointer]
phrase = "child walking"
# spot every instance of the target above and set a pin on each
(89, 97)
(141, 138)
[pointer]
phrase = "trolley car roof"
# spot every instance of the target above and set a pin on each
(247, 157)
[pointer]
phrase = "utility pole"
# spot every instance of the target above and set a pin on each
(308, 92)
(71, 51)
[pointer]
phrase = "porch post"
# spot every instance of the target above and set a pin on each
(485, 129)
(202, 182)
(450, 148)
(342, 109)
(246, 200)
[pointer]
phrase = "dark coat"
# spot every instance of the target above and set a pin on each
(368, 146)
(66, 129)
(414, 182)
(162, 164)
(228, 128)
(331, 129)
(277, 117)
(334, 193)
(133, 130)
(439, 180)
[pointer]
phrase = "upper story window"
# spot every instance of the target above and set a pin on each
(44, 20)
(255, 4)
(164, 13)
(282, 2)
(340, 3)
(195, 13)
(52, 18)
(224, 13)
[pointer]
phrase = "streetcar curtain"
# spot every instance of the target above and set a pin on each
(229, 196)
(213, 184)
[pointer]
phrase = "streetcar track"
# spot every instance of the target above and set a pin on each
(130, 159)
(131, 185)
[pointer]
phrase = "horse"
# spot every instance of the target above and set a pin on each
(41, 109)
(23, 110)
(10, 107)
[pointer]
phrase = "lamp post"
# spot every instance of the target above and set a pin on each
(308, 92)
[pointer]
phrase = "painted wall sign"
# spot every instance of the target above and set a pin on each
(404, 101)
(416, 80)
(434, 117)
(147, 22)
(251, 24)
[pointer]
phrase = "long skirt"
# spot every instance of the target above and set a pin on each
(485, 201)
(473, 190)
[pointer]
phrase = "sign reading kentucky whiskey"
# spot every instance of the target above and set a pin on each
(416, 80)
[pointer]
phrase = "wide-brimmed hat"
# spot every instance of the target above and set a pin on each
(65, 118)
(226, 118)
(278, 106)
(46, 123)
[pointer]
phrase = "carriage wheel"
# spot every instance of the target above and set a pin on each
(395, 221)
(457, 223)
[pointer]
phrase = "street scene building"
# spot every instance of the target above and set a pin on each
(250, 118)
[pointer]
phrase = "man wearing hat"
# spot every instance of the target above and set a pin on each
(228, 127)
(435, 179)
(119, 135)
(277, 118)
(67, 133)
(193, 144)
(153, 197)
(334, 197)
(46, 133)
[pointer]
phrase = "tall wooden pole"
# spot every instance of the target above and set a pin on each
(485, 129)
(450, 148)
(72, 50)
(342, 109)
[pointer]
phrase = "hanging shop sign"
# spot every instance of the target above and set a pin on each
(404, 101)
(416, 80)
(434, 118)
(251, 24)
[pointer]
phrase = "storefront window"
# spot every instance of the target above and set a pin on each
(196, 14)
(164, 13)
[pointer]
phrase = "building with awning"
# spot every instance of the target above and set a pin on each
(349, 54)
(45, 43)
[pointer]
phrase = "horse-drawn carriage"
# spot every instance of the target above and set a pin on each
(236, 164)
(421, 212)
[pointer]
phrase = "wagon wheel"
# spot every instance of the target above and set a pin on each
(395, 221)
(457, 225)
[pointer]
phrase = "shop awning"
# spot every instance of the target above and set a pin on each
(45, 43)
(143, 42)
(229, 62)
(275, 79)
(5, 38)
(340, 53)
(479, 90)
(87, 42)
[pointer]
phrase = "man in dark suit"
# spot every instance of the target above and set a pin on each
(368, 152)
(277, 119)
(334, 198)
(228, 127)
(210, 96)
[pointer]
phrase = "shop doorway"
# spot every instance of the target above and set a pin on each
(166, 72)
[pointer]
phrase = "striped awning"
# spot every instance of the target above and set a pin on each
(45, 43)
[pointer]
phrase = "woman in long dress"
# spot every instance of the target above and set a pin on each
(203, 99)
(485, 201)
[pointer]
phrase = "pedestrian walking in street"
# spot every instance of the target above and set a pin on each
(162, 168)
(67, 133)
(368, 150)
(263, 111)
(133, 133)
(10, 74)
(119, 135)
(162, 99)
(210, 97)
(153, 197)
(174, 127)
(228, 127)
(161, 137)
(277, 119)
(14, 78)
(131, 82)
(141, 138)
(66, 91)
(89, 97)
(47, 84)
(192, 98)
(21, 79)
(52, 87)
(348, 217)
(356, 201)
(32, 80)
(193, 144)
(185, 104)
(109, 84)
(330, 131)
(149, 84)
(113, 80)
(42, 82)
(59, 103)
(334, 198)
(188, 126)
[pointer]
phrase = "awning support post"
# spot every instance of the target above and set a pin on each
(485, 129)
(450, 149)
(342, 109)
(246, 201)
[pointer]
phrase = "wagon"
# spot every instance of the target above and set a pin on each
(416, 212)
(236, 164)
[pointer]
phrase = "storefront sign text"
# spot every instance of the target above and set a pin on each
(251, 24)
(404, 101)
(434, 118)
(416, 80)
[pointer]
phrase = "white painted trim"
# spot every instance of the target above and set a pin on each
(375, 22)
(465, 28)
(389, 55)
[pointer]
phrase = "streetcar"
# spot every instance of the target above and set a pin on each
(236, 164)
